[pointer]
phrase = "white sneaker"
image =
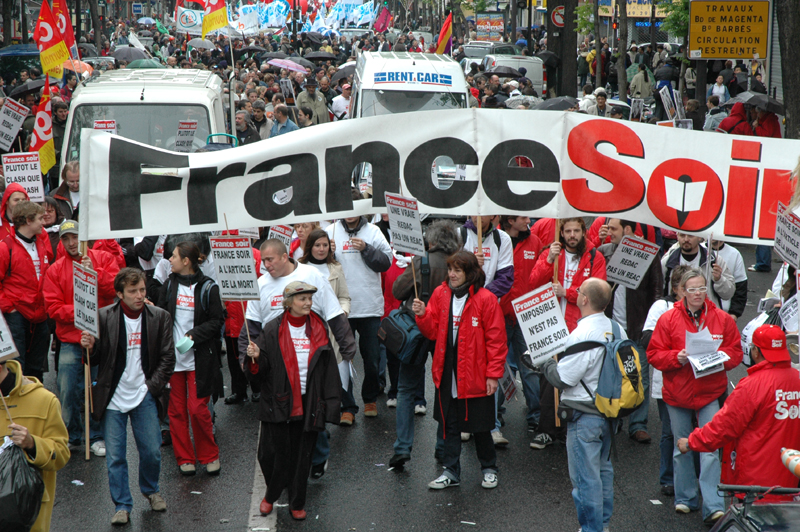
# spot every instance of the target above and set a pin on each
(442, 482)
(682, 509)
(489, 480)
(420, 410)
(99, 448)
(465, 436)
(391, 403)
(499, 440)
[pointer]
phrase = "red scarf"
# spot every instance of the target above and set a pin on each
(129, 312)
(318, 337)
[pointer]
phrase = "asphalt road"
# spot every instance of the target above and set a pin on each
(359, 493)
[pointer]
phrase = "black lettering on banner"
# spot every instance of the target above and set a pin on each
(126, 184)
(258, 200)
(203, 186)
(339, 165)
(496, 174)
(417, 173)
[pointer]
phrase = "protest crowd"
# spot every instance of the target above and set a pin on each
(332, 291)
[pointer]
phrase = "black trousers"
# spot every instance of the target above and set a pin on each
(284, 454)
(238, 378)
(547, 417)
(451, 457)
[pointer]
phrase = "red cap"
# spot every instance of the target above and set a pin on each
(771, 341)
(345, 86)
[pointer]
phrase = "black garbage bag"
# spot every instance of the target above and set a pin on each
(21, 491)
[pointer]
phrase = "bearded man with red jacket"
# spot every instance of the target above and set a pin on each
(58, 298)
(24, 259)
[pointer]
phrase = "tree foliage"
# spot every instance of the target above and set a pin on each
(475, 5)
(676, 21)
(583, 21)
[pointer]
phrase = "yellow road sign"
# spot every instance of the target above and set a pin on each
(730, 29)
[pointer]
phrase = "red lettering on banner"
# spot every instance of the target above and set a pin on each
(777, 187)
(741, 206)
(681, 208)
(627, 186)
(746, 150)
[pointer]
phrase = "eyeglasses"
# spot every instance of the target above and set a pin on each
(698, 290)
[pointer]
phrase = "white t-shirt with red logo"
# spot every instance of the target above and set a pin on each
(493, 259)
(30, 247)
(302, 348)
(458, 310)
(183, 323)
(158, 253)
(571, 261)
(132, 387)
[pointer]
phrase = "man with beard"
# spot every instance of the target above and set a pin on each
(689, 252)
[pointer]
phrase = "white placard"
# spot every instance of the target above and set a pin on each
(666, 99)
(109, 126)
(630, 262)
(250, 232)
(681, 114)
(185, 137)
(788, 314)
(24, 169)
(543, 326)
(12, 114)
(508, 384)
(282, 233)
(84, 284)
(236, 273)
(705, 362)
(7, 346)
(787, 236)
(404, 224)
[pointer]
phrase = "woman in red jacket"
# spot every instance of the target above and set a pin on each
(466, 321)
(686, 394)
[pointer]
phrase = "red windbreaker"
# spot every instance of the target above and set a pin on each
(681, 389)
(770, 127)
(236, 310)
(545, 230)
(111, 246)
(737, 122)
(8, 227)
(58, 291)
(587, 267)
(525, 254)
(482, 348)
(20, 290)
(647, 232)
(760, 416)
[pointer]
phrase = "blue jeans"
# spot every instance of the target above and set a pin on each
(530, 380)
(590, 470)
(764, 258)
(349, 400)
(32, 341)
(408, 383)
(638, 418)
(146, 432)
(666, 446)
(686, 491)
(322, 450)
(369, 346)
(70, 393)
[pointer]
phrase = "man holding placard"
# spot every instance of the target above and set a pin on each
(59, 300)
(640, 284)
(689, 252)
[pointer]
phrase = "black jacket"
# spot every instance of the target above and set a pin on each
(248, 136)
(206, 333)
(323, 385)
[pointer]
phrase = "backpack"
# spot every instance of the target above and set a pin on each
(495, 235)
(619, 390)
(399, 332)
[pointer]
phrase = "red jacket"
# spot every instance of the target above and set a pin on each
(8, 227)
(770, 127)
(58, 291)
(587, 267)
(387, 279)
(754, 424)
(236, 310)
(525, 254)
(111, 246)
(681, 389)
(737, 122)
(482, 340)
(545, 230)
(593, 235)
(20, 290)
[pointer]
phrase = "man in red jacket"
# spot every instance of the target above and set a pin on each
(23, 264)
(58, 299)
(759, 417)
(13, 195)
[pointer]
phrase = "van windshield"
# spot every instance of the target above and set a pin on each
(383, 102)
(154, 125)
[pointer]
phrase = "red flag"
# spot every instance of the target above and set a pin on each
(52, 49)
(383, 21)
(61, 14)
(215, 16)
(42, 135)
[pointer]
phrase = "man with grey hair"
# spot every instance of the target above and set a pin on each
(245, 131)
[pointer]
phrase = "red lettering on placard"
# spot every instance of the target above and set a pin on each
(741, 205)
(627, 186)
(777, 187)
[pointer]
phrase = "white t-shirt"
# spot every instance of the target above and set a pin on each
(132, 387)
(183, 323)
(323, 269)
(458, 310)
(270, 305)
(493, 259)
(164, 268)
(585, 366)
(298, 253)
(620, 313)
(75, 198)
(733, 260)
(302, 348)
(659, 308)
(571, 261)
(340, 105)
(158, 253)
(34, 253)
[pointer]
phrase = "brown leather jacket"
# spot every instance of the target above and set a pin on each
(110, 352)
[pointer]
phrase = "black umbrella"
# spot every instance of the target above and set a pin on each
(313, 36)
(561, 103)
(756, 99)
(273, 55)
(129, 53)
(504, 71)
(300, 61)
(549, 59)
(88, 49)
(28, 86)
(145, 33)
(249, 49)
(320, 56)
(343, 72)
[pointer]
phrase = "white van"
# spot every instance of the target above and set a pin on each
(402, 82)
(146, 105)
(533, 65)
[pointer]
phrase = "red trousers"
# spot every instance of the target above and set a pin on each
(184, 405)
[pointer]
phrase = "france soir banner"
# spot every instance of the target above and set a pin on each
(690, 181)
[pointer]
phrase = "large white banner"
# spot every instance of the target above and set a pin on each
(691, 181)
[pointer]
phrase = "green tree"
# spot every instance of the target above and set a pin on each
(583, 20)
(676, 21)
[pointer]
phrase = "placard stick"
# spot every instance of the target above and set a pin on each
(10, 420)
(87, 385)
(414, 275)
(244, 310)
(555, 281)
